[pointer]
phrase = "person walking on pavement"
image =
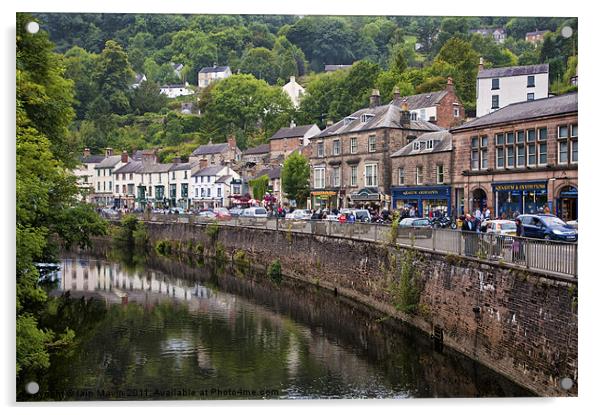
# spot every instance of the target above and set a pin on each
(518, 253)
(468, 232)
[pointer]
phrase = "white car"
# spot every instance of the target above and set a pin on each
(254, 212)
(361, 215)
(299, 214)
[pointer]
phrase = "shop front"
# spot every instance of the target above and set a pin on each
(323, 199)
(367, 198)
(424, 200)
(566, 204)
(519, 197)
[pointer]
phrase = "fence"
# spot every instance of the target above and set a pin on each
(534, 254)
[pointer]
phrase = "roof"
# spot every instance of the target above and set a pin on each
(273, 173)
(514, 71)
(287, 132)
(428, 99)
(442, 141)
(210, 69)
(543, 107)
(223, 179)
(537, 32)
(328, 68)
(93, 158)
(110, 161)
(210, 149)
(155, 168)
(180, 166)
(385, 116)
(179, 86)
(261, 149)
(209, 171)
(131, 167)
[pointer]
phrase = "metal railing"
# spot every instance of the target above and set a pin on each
(549, 257)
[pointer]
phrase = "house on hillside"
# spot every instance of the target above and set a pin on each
(499, 87)
(536, 37)
(86, 174)
(174, 91)
(292, 138)
(294, 91)
(498, 34)
(212, 73)
(216, 154)
(332, 68)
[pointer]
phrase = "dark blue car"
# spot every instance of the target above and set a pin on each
(547, 227)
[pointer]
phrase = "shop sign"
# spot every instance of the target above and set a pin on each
(407, 193)
(323, 193)
(519, 187)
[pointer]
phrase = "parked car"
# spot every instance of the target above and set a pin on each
(415, 223)
(548, 227)
(415, 228)
(207, 214)
(222, 213)
(573, 224)
(236, 211)
(332, 217)
(500, 227)
(254, 212)
(178, 210)
(299, 214)
(109, 213)
(361, 215)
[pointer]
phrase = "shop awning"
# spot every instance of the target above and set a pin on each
(323, 193)
(366, 194)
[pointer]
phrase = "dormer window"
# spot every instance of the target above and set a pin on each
(429, 145)
(416, 145)
(414, 116)
(348, 120)
(366, 117)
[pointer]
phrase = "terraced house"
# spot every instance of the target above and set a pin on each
(351, 160)
(104, 180)
(520, 158)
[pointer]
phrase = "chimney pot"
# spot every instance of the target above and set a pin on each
(375, 98)
(87, 152)
(396, 94)
(329, 123)
(481, 63)
(108, 152)
(124, 156)
(292, 79)
(404, 119)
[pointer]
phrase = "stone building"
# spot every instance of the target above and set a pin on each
(216, 154)
(210, 74)
(520, 158)
(350, 160)
(288, 139)
(443, 108)
(422, 173)
(259, 155)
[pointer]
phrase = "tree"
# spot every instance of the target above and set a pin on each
(259, 186)
(148, 98)
(462, 57)
(295, 177)
(261, 63)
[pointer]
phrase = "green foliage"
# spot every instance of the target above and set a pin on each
(295, 177)
(394, 232)
(212, 231)
(148, 98)
(275, 271)
(163, 247)
(406, 290)
(131, 233)
(259, 186)
(220, 252)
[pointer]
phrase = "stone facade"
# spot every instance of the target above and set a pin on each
(474, 180)
(216, 154)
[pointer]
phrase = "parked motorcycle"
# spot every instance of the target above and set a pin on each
(443, 222)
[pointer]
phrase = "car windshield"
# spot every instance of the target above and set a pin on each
(552, 221)
(260, 211)
(508, 226)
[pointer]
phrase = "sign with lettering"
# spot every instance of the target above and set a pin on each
(514, 187)
(422, 192)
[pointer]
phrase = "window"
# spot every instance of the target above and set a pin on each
(370, 174)
(484, 161)
(319, 178)
(456, 112)
(439, 173)
(131, 176)
(531, 155)
(520, 155)
(419, 175)
(543, 134)
(98, 186)
(336, 147)
(509, 138)
(336, 176)
(173, 175)
(563, 131)
(500, 157)
(320, 149)
(196, 179)
(104, 186)
(160, 175)
(185, 174)
(353, 178)
(184, 190)
(98, 172)
(416, 145)
(150, 177)
(219, 192)
(348, 120)
(353, 146)
(495, 101)
(530, 81)
(574, 130)
(495, 83)
(202, 192)
(563, 152)
(366, 117)
(110, 185)
(400, 175)
(196, 192)
(530, 96)
(474, 153)
(574, 152)
(414, 116)
(130, 189)
(372, 144)
(543, 153)
(423, 114)
(499, 139)
(429, 145)
(150, 191)
(520, 137)
(510, 156)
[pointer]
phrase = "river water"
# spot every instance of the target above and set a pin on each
(162, 329)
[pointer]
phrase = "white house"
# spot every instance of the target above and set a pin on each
(294, 91)
(86, 173)
(104, 180)
(174, 91)
(499, 87)
(179, 178)
(211, 186)
(209, 74)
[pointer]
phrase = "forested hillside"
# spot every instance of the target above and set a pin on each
(103, 52)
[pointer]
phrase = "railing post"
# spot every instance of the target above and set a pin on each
(575, 261)
(459, 243)
(375, 232)
(329, 228)
(526, 251)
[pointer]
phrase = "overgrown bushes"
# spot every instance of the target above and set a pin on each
(275, 271)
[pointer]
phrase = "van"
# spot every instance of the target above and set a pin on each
(254, 212)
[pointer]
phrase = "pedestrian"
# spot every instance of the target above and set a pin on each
(518, 253)
(351, 218)
(477, 214)
(342, 218)
(546, 210)
(487, 213)
(470, 237)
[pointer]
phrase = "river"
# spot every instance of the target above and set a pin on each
(164, 329)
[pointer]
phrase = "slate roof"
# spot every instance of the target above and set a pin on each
(155, 168)
(131, 167)
(513, 71)
(273, 173)
(428, 99)
(261, 149)
(287, 132)
(210, 149)
(223, 179)
(107, 162)
(385, 116)
(442, 141)
(210, 69)
(180, 166)
(93, 158)
(543, 107)
(208, 171)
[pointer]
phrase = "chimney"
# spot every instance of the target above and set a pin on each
(232, 142)
(329, 123)
(450, 84)
(87, 152)
(108, 152)
(293, 125)
(481, 63)
(176, 160)
(203, 163)
(375, 98)
(292, 79)
(405, 115)
(396, 94)
(124, 156)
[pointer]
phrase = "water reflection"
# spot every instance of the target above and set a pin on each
(171, 331)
